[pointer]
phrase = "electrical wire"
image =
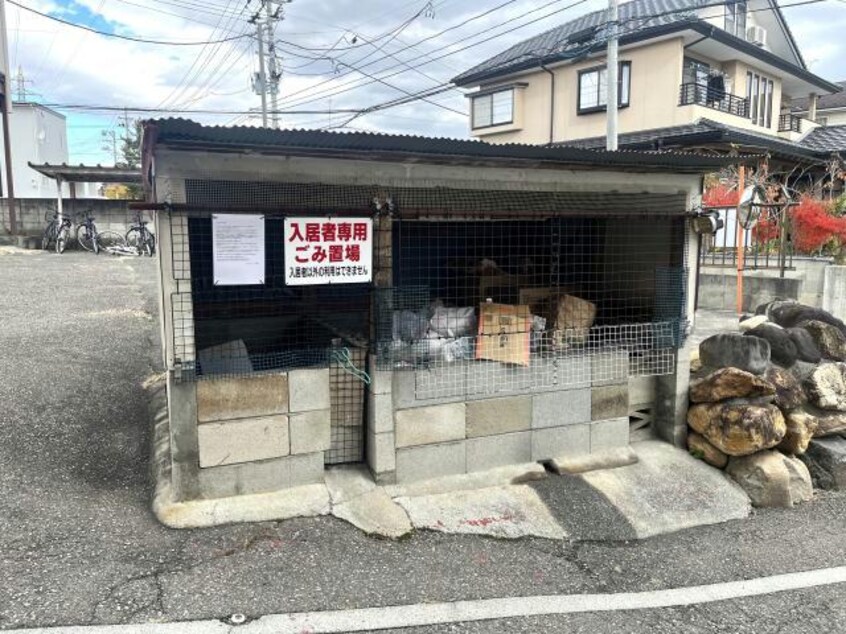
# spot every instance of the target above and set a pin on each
(130, 38)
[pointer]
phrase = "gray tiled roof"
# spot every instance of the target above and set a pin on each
(827, 139)
(819, 141)
(370, 145)
(555, 43)
(837, 100)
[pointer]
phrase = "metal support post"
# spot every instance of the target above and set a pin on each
(611, 75)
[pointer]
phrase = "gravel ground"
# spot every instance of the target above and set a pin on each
(78, 544)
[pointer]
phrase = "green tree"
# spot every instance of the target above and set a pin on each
(129, 154)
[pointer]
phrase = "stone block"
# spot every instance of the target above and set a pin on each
(310, 431)
(641, 390)
(430, 425)
(243, 440)
(404, 389)
(245, 478)
(610, 368)
(380, 413)
(381, 381)
(488, 452)
(308, 389)
(573, 371)
(498, 415)
(381, 452)
(566, 407)
(554, 442)
(826, 460)
(306, 468)
(609, 401)
(243, 397)
(430, 461)
(489, 378)
(609, 434)
(544, 373)
(440, 383)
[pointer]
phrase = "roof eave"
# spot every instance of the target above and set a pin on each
(621, 162)
(699, 26)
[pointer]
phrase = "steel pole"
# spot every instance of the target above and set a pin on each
(611, 75)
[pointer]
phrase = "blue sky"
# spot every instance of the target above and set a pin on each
(69, 66)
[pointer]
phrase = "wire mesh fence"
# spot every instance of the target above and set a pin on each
(767, 245)
(478, 293)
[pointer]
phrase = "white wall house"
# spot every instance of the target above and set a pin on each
(39, 135)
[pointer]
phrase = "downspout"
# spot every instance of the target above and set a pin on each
(551, 103)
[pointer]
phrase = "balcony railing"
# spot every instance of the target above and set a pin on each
(789, 123)
(702, 95)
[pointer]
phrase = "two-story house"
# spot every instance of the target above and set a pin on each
(692, 74)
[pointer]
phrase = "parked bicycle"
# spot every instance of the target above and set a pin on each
(56, 232)
(140, 238)
(86, 232)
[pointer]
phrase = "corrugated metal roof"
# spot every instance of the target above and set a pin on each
(706, 130)
(363, 145)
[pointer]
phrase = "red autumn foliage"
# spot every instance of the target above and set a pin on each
(814, 225)
(720, 196)
(767, 227)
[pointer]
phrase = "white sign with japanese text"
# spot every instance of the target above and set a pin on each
(328, 251)
(238, 249)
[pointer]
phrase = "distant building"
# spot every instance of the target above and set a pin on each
(39, 135)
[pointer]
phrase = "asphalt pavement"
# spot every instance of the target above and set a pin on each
(79, 545)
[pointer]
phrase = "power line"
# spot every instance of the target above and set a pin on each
(353, 85)
(142, 40)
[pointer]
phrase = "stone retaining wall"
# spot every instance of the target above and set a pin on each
(411, 438)
(262, 432)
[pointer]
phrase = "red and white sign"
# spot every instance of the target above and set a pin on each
(328, 251)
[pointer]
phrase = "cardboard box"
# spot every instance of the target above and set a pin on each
(504, 333)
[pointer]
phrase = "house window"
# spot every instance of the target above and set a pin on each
(593, 88)
(736, 17)
(695, 72)
(492, 109)
(759, 95)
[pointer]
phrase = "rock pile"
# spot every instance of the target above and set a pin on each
(762, 397)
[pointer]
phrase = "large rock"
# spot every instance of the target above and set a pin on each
(729, 383)
(733, 350)
(830, 341)
(801, 370)
(752, 322)
(826, 387)
(791, 313)
(826, 460)
(700, 448)
(788, 391)
(772, 479)
(738, 429)
(806, 348)
(800, 430)
(782, 348)
(824, 423)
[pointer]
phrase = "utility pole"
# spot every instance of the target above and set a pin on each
(6, 111)
(266, 81)
(611, 76)
(110, 143)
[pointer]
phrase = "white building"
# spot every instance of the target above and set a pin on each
(39, 135)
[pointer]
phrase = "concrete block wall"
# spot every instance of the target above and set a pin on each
(412, 439)
(261, 432)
